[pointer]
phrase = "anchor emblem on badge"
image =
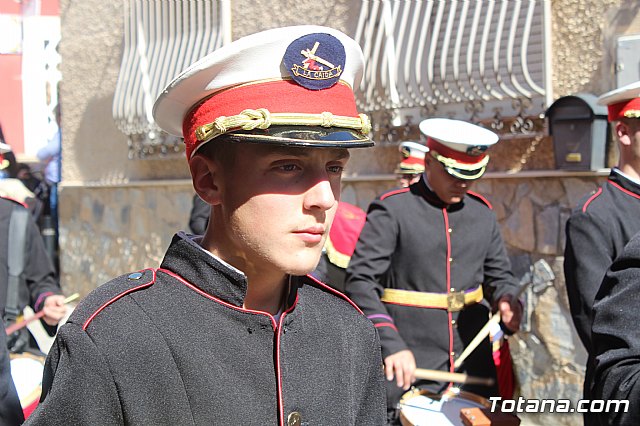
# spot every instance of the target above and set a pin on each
(315, 61)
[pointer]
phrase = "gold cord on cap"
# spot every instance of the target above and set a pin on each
(453, 165)
(261, 118)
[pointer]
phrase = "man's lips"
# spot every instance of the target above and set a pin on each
(312, 234)
(316, 229)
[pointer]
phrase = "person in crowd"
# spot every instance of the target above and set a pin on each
(427, 256)
(340, 244)
(8, 164)
(411, 167)
(604, 221)
(50, 156)
(199, 216)
(11, 184)
(26, 277)
(616, 339)
(231, 329)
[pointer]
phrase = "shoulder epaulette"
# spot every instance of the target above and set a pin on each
(480, 198)
(393, 192)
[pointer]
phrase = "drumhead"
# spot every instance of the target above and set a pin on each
(421, 407)
(26, 371)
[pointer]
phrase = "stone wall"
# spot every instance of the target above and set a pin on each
(112, 230)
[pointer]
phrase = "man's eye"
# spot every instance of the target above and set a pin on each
(289, 167)
(335, 169)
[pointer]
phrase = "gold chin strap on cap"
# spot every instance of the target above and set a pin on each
(452, 166)
(632, 113)
(261, 118)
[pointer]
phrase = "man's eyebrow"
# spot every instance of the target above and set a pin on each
(341, 153)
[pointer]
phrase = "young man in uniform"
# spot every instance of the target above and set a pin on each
(230, 329)
(604, 221)
(411, 167)
(427, 256)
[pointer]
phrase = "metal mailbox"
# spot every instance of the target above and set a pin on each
(579, 129)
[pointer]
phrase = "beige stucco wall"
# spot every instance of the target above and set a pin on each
(584, 36)
(94, 150)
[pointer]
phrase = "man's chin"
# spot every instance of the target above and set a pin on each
(305, 264)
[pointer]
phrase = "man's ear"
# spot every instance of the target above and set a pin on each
(623, 133)
(206, 175)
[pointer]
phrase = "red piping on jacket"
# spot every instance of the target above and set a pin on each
(484, 200)
(449, 316)
(119, 296)
(385, 324)
(626, 191)
(593, 197)
(23, 204)
(336, 292)
(394, 192)
(277, 329)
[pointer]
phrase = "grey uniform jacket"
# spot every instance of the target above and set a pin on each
(173, 346)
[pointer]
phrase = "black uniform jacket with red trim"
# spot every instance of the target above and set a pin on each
(175, 347)
(413, 241)
(616, 337)
(596, 232)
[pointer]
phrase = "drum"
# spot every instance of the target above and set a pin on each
(26, 371)
(421, 407)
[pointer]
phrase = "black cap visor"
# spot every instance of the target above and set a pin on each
(308, 136)
(466, 174)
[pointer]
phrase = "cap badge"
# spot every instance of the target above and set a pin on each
(315, 61)
(476, 150)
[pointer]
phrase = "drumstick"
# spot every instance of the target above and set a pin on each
(445, 376)
(484, 332)
(17, 326)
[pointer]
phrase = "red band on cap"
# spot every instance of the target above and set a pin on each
(460, 157)
(617, 110)
(276, 96)
(413, 160)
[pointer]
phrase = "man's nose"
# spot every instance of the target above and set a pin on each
(320, 196)
(462, 183)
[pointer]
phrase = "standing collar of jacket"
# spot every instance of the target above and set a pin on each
(187, 259)
(191, 262)
(422, 188)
